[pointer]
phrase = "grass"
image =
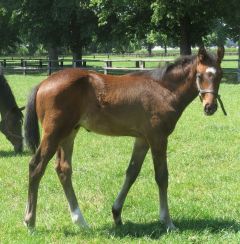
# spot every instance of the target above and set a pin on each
(204, 192)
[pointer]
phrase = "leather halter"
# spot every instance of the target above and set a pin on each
(203, 91)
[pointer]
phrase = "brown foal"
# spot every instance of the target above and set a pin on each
(145, 105)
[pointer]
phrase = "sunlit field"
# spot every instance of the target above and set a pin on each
(204, 185)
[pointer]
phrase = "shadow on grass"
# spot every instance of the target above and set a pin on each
(9, 154)
(155, 230)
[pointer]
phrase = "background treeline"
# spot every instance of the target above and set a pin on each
(33, 27)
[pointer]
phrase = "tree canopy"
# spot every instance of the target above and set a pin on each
(122, 25)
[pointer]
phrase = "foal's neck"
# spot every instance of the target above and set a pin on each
(183, 84)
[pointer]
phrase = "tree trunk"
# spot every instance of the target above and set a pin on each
(77, 56)
(149, 49)
(185, 42)
(165, 49)
(53, 55)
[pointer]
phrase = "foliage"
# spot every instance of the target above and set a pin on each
(231, 15)
(185, 22)
(8, 26)
(121, 22)
(118, 25)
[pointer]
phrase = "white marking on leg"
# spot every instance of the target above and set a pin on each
(78, 218)
(211, 70)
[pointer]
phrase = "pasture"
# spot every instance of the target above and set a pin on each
(204, 192)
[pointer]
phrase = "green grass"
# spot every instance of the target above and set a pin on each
(204, 190)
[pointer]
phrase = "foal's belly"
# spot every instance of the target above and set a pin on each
(108, 125)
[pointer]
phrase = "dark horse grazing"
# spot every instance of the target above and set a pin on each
(12, 117)
(145, 105)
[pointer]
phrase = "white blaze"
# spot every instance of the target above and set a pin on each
(211, 70)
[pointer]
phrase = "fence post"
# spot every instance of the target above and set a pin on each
(238, 71)
(61, 63)
(40, 63)
(109, 63)
(49, 67)
(142, 64)
(74, 64)
(4, 63)
(24, 65)
(137, 64)
(1, 68)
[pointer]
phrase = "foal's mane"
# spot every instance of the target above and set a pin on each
(160, 73)
(7, 99)
(179, 64)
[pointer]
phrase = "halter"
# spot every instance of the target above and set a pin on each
(203, 91)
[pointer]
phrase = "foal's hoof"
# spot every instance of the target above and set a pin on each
(31, 228)
(172, 228)
(117, 217)
(169, 226)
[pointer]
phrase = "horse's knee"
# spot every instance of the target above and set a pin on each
(35, 167)
(63, 170)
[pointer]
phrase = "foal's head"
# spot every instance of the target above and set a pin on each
(11, 126)
(209, 75)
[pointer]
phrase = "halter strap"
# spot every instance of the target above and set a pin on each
(203, 91)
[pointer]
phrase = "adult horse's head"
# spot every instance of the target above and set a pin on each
(11, 126)
(209, 75)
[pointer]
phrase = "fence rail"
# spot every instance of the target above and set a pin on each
(25, 66)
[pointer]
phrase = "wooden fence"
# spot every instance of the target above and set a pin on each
(25, 66)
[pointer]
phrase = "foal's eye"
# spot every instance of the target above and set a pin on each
(210, 75)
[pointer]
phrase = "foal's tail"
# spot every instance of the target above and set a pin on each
(31, 127)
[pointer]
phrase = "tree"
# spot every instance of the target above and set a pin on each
(185, 22)
(8, 26)
(122, 21)
(81, 26)
(230, 12)
(43, 23)
(58, 23)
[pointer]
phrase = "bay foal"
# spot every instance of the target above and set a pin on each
(145, 105)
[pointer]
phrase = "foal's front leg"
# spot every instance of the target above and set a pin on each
(159, 155)
(139, 152)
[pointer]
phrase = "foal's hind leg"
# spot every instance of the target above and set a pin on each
(37, 168)
(139, 152)
(159, 150)
(64, 171)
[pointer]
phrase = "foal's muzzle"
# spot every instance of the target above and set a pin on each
(210, 109)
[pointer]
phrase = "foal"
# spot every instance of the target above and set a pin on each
(145, 105)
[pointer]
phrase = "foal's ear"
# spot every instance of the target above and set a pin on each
(220, 54)
(202, 53)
